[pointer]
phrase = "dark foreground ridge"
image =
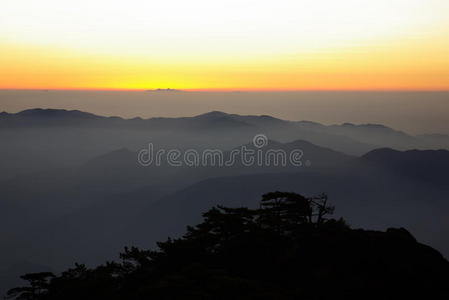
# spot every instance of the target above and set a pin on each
(287, 249)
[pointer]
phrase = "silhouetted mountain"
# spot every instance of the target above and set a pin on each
(286, 249)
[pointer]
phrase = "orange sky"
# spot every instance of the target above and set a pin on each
(237, 45)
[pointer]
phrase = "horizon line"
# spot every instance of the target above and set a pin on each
(224, 90)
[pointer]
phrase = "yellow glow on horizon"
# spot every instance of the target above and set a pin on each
(225, 45)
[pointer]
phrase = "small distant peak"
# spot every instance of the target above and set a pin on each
(380, 153)
(268, 117)
(164, 90)
(375, 126)
(35, 111)
(271, 119)
(301, 143)
(54, 113)
(212, 114)
(115, 118)
(215, 112)
(41, 112)
(391, 153)
(309, 123)
(367, 125)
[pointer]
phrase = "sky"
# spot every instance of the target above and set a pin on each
(225, 45)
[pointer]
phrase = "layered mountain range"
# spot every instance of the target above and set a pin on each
(72, 185)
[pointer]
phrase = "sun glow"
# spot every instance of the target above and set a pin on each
(274, 45)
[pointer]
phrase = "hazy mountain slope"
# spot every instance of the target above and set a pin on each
(435, 141)
(368, 195)
(427, 166)
(114, 210)
(38, 139)
(376, 134)
(29, 201)
(62, 190)
(58, 196)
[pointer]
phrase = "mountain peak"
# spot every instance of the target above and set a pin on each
(364, 125)
(54, 113)
(212, 114)
(384, 153)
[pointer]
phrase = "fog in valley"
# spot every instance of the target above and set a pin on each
(73, 187)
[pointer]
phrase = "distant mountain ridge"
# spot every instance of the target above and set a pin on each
(39, 116)
(37, 139)
(48, 117)
(346, 137)
(42, 114)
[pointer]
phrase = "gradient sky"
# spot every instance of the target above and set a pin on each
(225, 45)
